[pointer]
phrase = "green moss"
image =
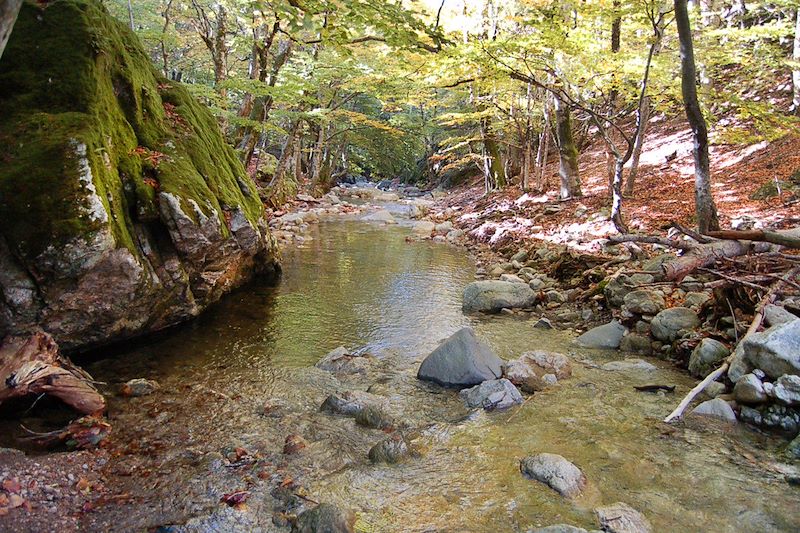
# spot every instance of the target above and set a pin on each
(72, 75)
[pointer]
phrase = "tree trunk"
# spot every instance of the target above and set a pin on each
(616, 196)
(644, 113)
(707, 255)
(568, 152)
(707, 219)
(9, 9)
(616, 34)
(496, 174)
(795, 70)
(130, 16)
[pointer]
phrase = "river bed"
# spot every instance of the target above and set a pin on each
(242, 376)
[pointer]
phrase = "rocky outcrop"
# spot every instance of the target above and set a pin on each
(123, 209)
(494, 394)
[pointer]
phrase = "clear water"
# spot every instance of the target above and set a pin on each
(362, 286)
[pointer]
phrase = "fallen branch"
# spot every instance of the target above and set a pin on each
(707, 254)
(33, 365)
(789, 238)
(702, 239)
(758, 318)
(649, 239)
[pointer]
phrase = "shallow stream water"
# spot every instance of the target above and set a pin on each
(362, 286)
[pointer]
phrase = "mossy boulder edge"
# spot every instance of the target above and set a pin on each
(123, 209)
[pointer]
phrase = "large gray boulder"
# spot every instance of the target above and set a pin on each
(705, 357)
(492, 395)
(667, 325)
(716, 408)
(461, 361)
(605, 336)
(491, 296)
(556, 472)
(776, 351)
(775, 315)
(749, 389)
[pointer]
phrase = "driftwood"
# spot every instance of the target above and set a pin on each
(33, 365)
(707, 254)
(758, 318)
(789, 238)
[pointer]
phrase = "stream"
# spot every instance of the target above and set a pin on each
(242, 375)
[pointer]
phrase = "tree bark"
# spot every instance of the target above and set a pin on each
(9, 9)
(795, 70)
(708, 254)
(644, 113)
(707, 219)
(568, 151)
(494, 164)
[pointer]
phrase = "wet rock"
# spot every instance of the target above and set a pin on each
(391, 451)
(776, 350)
(528, 371)
(423, 228)
(139, 387)
(511, 278)
(520, 256)
(629, 365)
(787, 389)
(380, 216)
(714, 389)
(325, 518)
(443, 227)
(644, 302)
(556, 472)
(492, 395)
(350, 403)
(492, 296)
(793, 449)
(706, 356)
(293, 444)
(749, 390)
(716, 408)
(606, 336)
(374, 416)
(454, 235)
(341, 360)
(667, 324)
(556, 296)
(543, 323)
(461, 361)
(696, 300)
(775, 315)
(622, 518)
(616, 289)
(635, 343)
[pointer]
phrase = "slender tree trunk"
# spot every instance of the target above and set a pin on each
(9, 9)
(616, 34)
(130, 16)
(544, 149)
(568, 151)
(164, 56)
(644, 113)
(707, 219)
(616, 196)
(496, 174)
(795, 70)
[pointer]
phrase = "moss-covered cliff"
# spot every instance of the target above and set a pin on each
(118, 194)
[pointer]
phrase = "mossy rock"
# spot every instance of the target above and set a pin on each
(94, 142)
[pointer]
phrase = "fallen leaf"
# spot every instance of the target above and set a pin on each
(235, 498)
(11, 485)
(15, 500)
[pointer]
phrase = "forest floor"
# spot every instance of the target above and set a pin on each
(664, 193)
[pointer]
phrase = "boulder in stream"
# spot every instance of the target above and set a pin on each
(341, 360)
(528, 371)
(491, 395)
(605, 336)
(380, 216)
(716, 408)
(622, 518)
(668, 324)
(461, 361)
(390, 451)
(706, 356)
(556, 472)
(350, 403)
(325, 518)
(776, 350)
(492, 295)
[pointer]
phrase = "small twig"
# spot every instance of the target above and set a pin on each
(732, 279)
(735, 325)
(702, 239)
